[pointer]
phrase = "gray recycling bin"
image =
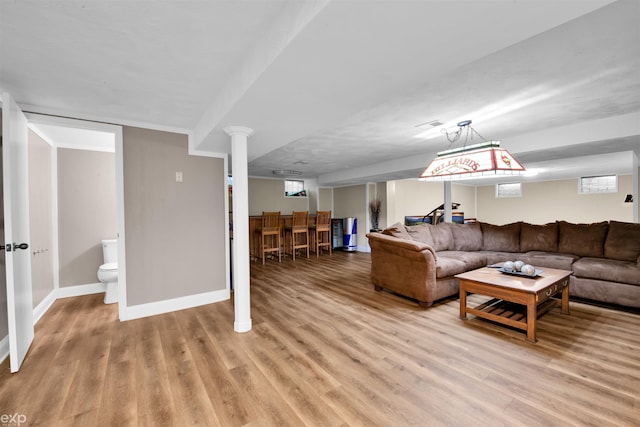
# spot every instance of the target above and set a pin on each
(350, 234)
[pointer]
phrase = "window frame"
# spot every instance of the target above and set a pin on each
(299, 193)
(596, 191)
(501, 196)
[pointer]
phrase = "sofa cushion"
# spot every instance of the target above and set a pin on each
(610, 270)
(549, 259)
(582, 239)
(539, 237)
(602, 290)
(397, 230)
(495, 257)
(466, 237)
(420, 233)
(504, 238)
(472, 260)
(447, 267)
(623, 241)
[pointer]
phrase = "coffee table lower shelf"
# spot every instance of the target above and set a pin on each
(508, 313)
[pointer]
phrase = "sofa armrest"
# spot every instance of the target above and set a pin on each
(410, 245)
(403, 266)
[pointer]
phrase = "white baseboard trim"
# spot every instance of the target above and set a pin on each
(44, 305)
(175, 304)
(78, 290)
(4, 348)
(358, 249)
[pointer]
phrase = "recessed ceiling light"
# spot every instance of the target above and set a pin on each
(285, 172)
(301, 162)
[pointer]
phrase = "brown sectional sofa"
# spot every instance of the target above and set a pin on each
(420, 261)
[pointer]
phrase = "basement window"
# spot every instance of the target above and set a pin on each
(598, 184)
(511, 189)
(294, 188)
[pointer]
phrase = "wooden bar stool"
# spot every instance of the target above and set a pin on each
(321, 231)
(268, 235)
(298, 230)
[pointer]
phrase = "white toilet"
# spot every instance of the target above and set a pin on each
(108, 272)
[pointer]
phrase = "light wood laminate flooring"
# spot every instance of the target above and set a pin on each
(325, 349)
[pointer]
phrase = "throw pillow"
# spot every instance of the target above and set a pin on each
(397, 230)
(420, 233)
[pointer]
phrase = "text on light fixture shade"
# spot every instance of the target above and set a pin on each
(484, 159)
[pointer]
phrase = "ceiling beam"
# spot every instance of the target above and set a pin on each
(293, 18)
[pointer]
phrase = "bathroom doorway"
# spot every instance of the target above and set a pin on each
(86, 181)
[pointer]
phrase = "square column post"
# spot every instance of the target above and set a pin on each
(447, 202)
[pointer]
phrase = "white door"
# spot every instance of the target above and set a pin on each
(16, 230)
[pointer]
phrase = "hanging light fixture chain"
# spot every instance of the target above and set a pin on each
(455, 136)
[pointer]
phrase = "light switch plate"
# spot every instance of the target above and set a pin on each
(178, 176)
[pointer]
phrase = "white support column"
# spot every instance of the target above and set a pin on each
(241, 268)
(447, 202)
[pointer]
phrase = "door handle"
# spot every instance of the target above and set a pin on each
(15, 247)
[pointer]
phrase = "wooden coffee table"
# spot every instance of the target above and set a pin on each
(510, 293)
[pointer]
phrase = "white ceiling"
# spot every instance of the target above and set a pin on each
(341, 85)
(77, 138)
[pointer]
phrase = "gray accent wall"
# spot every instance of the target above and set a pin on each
(41, 217)
(175, 231)
(86, 212)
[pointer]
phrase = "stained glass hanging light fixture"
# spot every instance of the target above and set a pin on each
(483, 159)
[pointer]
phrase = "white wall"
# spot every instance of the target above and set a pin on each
(543, 202)
(412, 197)
(352, 202)
(325, 199)
(268, 195)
